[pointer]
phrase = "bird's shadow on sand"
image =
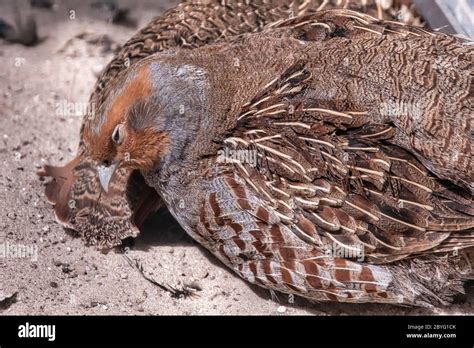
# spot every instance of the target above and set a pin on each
(161, 229)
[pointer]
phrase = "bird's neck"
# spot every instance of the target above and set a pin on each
(182, 93)
(203, 91)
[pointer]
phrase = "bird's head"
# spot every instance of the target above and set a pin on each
(140, 119)
(150, 113)
(125, 132)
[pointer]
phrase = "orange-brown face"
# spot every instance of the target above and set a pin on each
(126, 136)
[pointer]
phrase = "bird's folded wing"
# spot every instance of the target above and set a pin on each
(276, 251)
(339, 172)
(309, 182)
(273, 250)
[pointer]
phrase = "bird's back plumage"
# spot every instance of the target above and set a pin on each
(361, 134)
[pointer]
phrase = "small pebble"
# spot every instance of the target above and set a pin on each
(194, 285)
(97, 69)
(66, 268)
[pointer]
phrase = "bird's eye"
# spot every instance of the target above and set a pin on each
(118, 134)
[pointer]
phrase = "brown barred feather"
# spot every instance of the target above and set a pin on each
(348, 200)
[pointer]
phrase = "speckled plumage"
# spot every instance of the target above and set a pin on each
(361, 188)
(80, 204)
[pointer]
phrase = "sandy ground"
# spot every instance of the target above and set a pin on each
(67, 277)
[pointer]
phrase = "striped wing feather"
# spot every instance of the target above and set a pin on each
(267, 248)
(337, 174)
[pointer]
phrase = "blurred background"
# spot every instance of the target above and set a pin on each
(452, 16)
(20, 21)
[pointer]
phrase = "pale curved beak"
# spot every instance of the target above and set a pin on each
(105, 174)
